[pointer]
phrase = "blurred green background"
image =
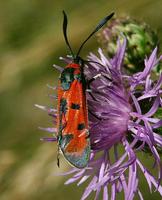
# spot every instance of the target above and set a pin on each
(31, 40)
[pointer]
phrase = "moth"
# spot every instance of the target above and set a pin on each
(72, 113)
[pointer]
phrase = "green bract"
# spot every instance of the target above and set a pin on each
(141, 39)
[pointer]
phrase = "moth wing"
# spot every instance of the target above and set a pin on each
(75, 144)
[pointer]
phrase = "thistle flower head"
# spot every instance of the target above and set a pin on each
(120, 121)
(108, 102)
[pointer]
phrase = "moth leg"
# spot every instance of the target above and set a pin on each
(93, 78)
(90, 81)
(58, 156)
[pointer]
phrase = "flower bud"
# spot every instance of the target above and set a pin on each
(141, 39)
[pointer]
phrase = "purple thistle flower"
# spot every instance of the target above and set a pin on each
(120, 123)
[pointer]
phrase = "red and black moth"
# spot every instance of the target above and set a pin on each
(72, 117)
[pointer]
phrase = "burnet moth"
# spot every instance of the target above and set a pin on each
(72, 117)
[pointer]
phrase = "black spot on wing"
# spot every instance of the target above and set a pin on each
(62, 112)
(63, 106)
(81, 126)
(75, 106)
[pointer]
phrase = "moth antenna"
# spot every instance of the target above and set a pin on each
(101, 23)
(65, 23)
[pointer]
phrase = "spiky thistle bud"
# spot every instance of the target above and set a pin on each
(141, 39)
